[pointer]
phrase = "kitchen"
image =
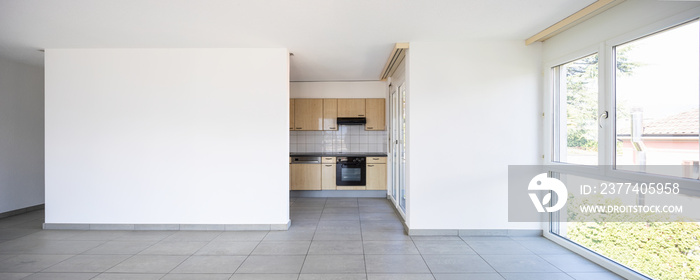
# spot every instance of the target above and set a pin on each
(338, 139)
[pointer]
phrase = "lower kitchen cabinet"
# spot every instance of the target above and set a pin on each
(376, 176)
(328, 176)
(306, 176)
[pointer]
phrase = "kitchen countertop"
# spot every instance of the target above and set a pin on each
(310, 154)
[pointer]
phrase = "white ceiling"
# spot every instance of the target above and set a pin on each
(331, 39)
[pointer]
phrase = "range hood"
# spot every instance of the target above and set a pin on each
(352, 121)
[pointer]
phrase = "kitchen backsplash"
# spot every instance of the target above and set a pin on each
(347, 139)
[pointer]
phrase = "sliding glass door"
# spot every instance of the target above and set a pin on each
(398, 145)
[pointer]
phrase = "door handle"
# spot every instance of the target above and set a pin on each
(601, 117)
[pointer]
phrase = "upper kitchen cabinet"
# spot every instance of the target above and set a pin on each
(376, 116)
(330, 114)
(351, 108)
(291, 114)
(308, 114)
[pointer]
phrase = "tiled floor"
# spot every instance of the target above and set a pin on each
(334, 238)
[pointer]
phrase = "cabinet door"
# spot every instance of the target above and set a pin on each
(351, 108)
(306, 176)
(291, 114)
(328, 176)
(308, 114)
(376, 176)
(376, 118)
(330, 114)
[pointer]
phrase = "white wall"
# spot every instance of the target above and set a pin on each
(21, 135)
(167, 136)
(360, 89)
(473, 109)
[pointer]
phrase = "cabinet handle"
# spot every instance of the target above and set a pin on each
(298, 127)
(331, 128)
(374, 158)
(360, 115)
(329, 165)
(370, 165)
(370, 127)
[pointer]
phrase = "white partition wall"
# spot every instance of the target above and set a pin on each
(167, 138)
(473, 109)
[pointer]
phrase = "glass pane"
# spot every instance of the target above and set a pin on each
(402, 149)
(657, 101)
(659, 249)
(351, 174)
(576, 130)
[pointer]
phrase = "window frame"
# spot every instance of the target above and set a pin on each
(607, 134)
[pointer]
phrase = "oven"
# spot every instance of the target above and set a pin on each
(350, 171)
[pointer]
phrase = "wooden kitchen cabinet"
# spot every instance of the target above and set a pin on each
(328, 176)
(291, 114)
(306, 176)
(330, 114)
(376, 176)
(351, 108)
(376, 116)
(308, 114)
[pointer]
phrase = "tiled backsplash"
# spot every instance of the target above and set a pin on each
(347, 139)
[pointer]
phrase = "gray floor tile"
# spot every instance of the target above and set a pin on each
(332, 264)
(595, 276)
(60, 276)
(573, 263)
(208, 276)
(377, 264)
(145, 235)
(87, 263)
(289, 235)
(193, 236)
(240, 276)
(378, 216)
(385, 235)
(13, 276)
(30, 263)
(382, 226)
(332, 204)
(436, 238)
(332, 277)
(272, 264)
(391, 247)
(53, 234)
(376, 209)
(120, 248)
(62, 247)
(443, 247)
(241, 236)
(519, 263)
(282, 248)
(174, 248)
(339, 217)
(321, 247)
(97, 235)
(305, 216)
(148, 264)
(210, 264)
(536, 276)
(337, 236)
(129, 276)
(339, 227)
(457, 264)
(541, 246)
(498, 248)
(227, 248)
(400, 277)
(342, 211)
(470, 276)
